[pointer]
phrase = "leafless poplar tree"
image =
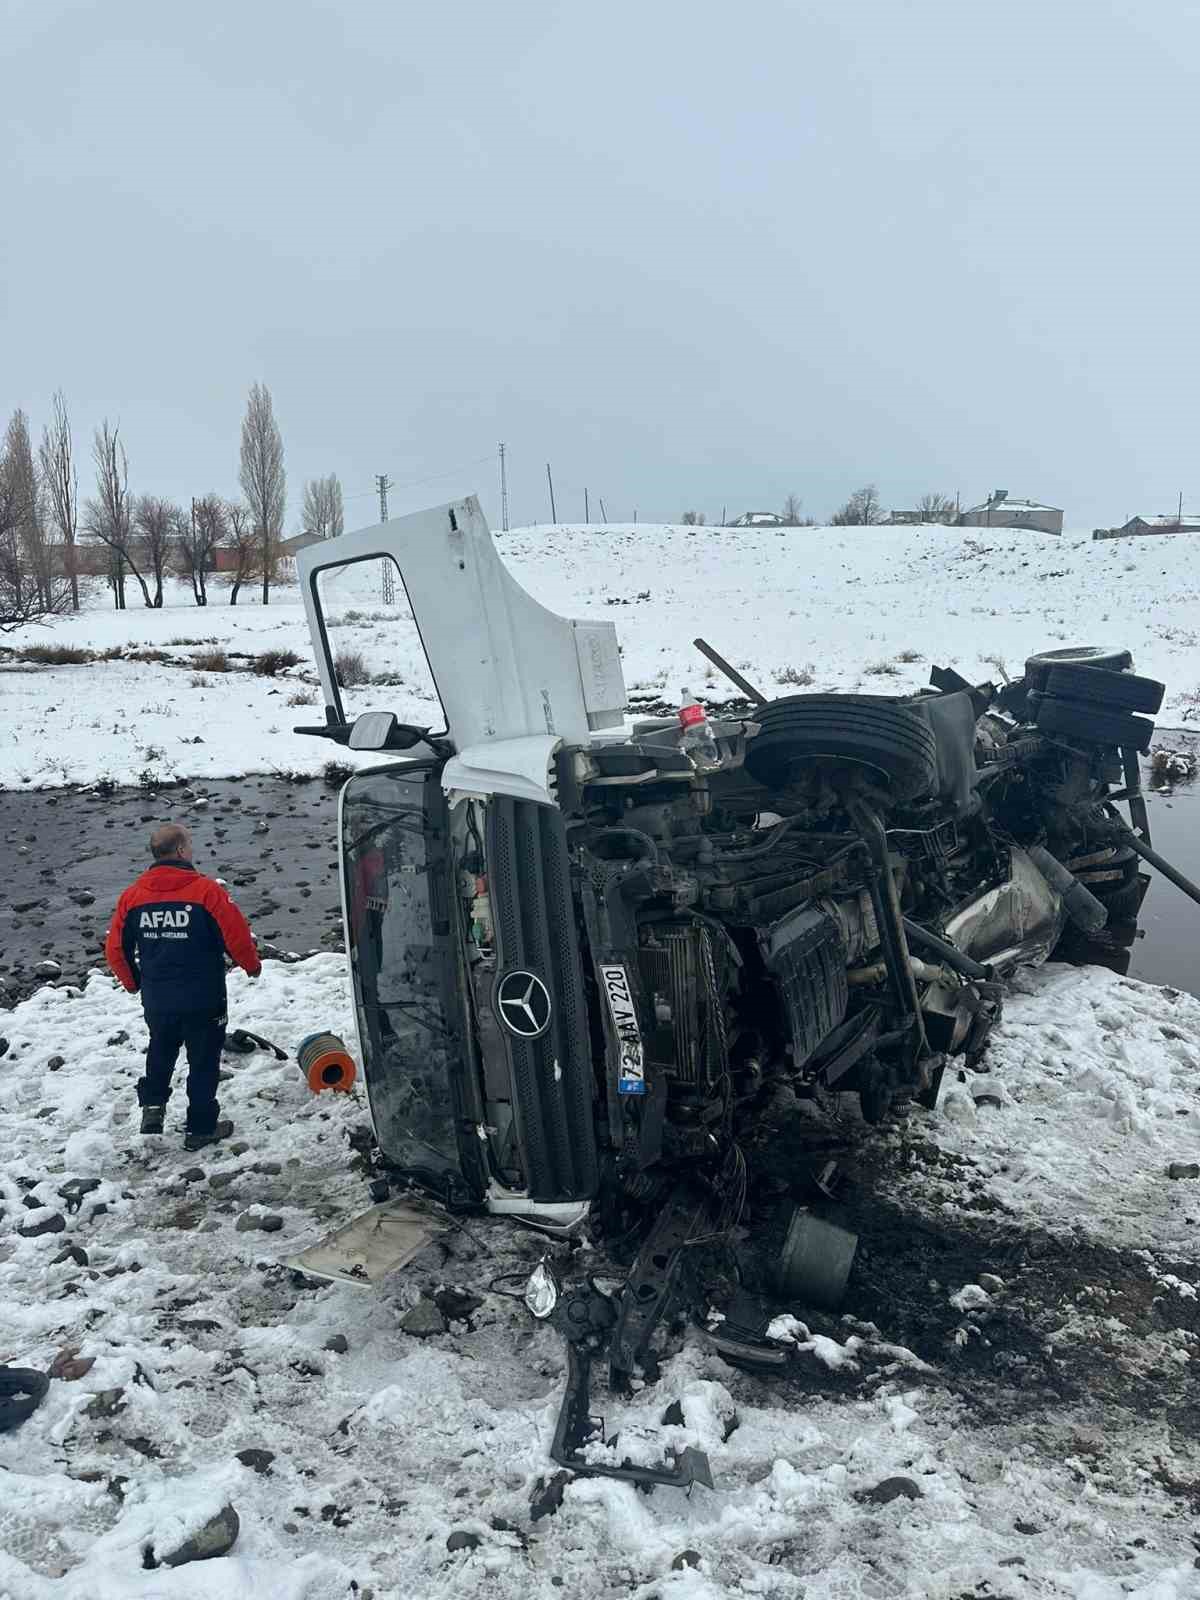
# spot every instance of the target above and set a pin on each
(793, 510)
(323, 513)
(61, 486)
(692, 519)
(242, 541)
(157, 526)
(22, 597)
(263, 479)
(37, 551)
(108, 516)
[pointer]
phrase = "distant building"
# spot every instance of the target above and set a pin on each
(904, 519)
(759, 519)
(1000, 511)
(1140, 526)
(298, 542)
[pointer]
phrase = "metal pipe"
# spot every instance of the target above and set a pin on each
(731, 673)
(1165, 867)
(964, 964)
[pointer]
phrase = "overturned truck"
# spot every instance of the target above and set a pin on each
(590, 960)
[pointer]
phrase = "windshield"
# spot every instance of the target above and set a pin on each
(397, 904)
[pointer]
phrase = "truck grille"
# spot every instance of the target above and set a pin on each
(552, 1081)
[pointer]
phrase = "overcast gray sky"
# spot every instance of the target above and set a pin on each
(694, 254)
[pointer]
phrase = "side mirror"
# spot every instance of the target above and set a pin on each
(373, 730)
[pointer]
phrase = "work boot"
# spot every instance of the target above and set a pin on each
(152, 1118)
(200, 1141)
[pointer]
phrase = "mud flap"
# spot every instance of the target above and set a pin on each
(377, 1242)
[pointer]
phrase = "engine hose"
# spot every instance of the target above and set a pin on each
(966, 965)
(1172, 874)
(1084, 910)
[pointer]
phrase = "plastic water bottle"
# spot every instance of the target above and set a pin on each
(696, 735)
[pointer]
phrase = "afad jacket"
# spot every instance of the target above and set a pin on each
(169, 936)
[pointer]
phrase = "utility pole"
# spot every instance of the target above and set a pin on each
(503, 490)
(1179, 519)
(587, 514)
(388, 588)
(603, 513)
(550, 481)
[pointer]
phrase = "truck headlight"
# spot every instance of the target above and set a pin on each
(541, 1291)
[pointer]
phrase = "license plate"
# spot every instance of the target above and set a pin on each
(631, 1075)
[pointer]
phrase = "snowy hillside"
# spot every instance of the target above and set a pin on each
(819, 608)
(1006, 1409)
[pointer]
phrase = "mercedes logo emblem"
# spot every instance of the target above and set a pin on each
(523, 1004)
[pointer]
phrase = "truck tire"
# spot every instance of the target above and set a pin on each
(22, 1390)
(1122, 691)
(1037, 667)
(864, 730)
(1076, 719)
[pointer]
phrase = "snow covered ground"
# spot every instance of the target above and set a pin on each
(823, 608)
(1010, 1477)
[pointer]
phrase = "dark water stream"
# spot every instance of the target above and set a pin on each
(65, 857)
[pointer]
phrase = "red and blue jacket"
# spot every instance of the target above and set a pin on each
(169, 936)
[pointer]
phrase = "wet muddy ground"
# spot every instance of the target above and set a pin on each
(67, 855)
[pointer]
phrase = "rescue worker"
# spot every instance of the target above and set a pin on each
(168, 938)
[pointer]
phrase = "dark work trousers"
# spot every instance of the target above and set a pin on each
(202, 1034)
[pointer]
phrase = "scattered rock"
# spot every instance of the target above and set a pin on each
(1026, 1527)
(460, 1539)
(238, 1149)
(456, 1305)
(54, 1223)
(215, 1538)
(193, 1175)
(257, 1460)
(268, 1169)
(548, 1496)
(685, 1558)
(3, 1047)
(48, 969)
(74, 1190)
(672, 1417)
(120, 1037)
(71, 1252)
(423, 1320)
(1183, 1169)
(990, 1282)
(55, 1062)
(221, 1180)
(887, 1490)
(264, 1221)
(338, 1344)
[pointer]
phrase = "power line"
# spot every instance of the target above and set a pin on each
(414, 483)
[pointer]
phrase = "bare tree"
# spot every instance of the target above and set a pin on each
(936, 508)
(242, 542)
(157, 524)
(38, 555)
(61, 485)
(200, 536)
(692, 519)
(323, 513)
(792, 511)
(263, 479)
(109, 515)
(860, 511)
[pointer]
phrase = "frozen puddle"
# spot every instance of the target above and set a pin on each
(375, 1456)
